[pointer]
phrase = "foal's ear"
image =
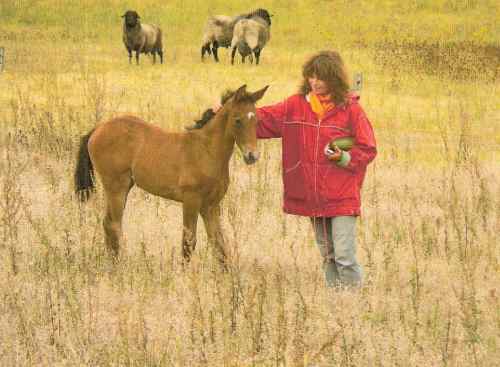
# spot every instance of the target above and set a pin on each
(259, 94)
(240, 92)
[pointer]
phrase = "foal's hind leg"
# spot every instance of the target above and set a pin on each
(116, 198)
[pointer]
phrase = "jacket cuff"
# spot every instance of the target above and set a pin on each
(344, 160)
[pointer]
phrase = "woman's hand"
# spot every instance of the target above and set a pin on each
(216, 106)
(334, 154)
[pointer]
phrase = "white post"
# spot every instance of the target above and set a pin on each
(357, 82)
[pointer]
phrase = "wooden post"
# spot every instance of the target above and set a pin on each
(2, 58)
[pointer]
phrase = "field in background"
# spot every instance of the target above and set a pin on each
(431, 209)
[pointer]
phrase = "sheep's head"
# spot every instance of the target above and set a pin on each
(263, 13)
(131, 18)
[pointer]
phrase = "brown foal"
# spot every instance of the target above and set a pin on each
(191, 167)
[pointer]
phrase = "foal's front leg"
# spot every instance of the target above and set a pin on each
(190, 211)
(211, 218)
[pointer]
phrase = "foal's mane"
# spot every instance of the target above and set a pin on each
(209, 113)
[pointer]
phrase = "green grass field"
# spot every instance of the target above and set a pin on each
(427, 239)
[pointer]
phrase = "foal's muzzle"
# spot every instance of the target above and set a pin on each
(251, 157)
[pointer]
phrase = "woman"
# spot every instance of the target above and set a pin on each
(320, 183)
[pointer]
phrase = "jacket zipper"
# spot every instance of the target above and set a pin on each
(316, 167)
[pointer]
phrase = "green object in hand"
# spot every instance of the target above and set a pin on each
(344, 143)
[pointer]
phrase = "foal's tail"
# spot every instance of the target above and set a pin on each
(84, 172)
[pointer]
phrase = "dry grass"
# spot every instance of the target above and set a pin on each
(428, 238)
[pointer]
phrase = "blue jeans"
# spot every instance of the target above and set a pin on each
(336, 240)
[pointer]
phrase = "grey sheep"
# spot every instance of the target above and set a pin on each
(219, 32)
(141, 38)
(250, 35)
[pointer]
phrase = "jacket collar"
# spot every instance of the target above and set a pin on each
(329, 113)
(352, 97)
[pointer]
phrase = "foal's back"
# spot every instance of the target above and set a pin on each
(126, 149)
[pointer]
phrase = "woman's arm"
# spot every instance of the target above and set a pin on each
(365, 148)
(270, 120)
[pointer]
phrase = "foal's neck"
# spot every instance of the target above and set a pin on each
(220, 143)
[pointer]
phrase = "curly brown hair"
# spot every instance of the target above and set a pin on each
(329, 67)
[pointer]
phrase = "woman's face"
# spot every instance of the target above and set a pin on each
(318, 86)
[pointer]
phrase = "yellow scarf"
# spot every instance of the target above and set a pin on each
(321, 104)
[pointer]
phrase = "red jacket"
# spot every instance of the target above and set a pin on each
(313, 185)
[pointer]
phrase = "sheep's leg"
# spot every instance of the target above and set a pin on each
(129, 55)
(137, 56)
(160, 52)
(154, 56)
(257, 55)
(215, 46)
(243, 59)
(205, 49)
(233, 52)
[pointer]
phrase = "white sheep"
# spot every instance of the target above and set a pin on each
(219, 31)
(141, 38)
(250, 35)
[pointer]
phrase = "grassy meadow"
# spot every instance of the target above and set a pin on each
(427, 239)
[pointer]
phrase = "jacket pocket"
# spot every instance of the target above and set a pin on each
(338, 183)
(294, 181)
